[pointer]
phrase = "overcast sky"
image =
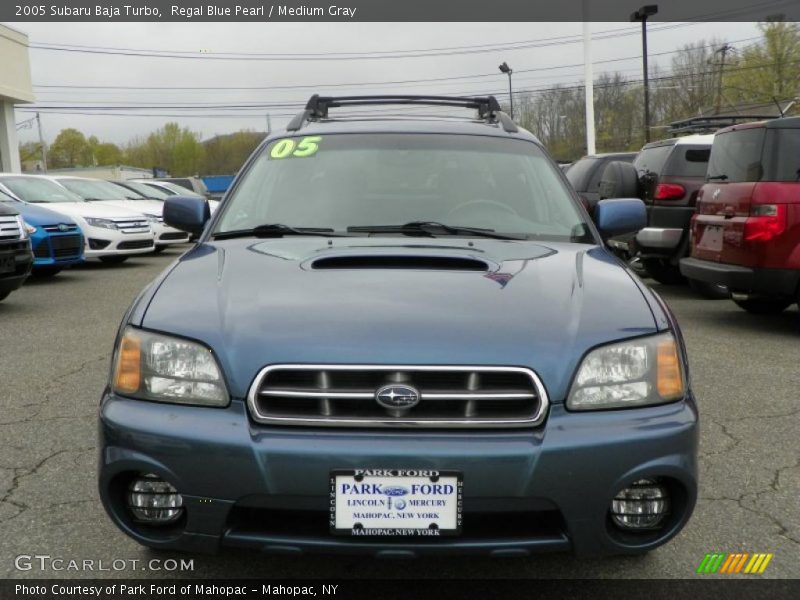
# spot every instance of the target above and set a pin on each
(78, 69)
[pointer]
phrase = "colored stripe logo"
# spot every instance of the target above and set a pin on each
(738, 562)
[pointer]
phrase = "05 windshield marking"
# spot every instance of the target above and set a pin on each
(388, 184)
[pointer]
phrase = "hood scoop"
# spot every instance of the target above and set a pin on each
(432, 262)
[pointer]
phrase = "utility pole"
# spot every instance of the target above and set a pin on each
(41, 143)
(723, 51)
(588, 81)
(642, 15)
(269, 124)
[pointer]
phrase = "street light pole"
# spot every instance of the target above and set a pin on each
(641, 15)
(504, 68)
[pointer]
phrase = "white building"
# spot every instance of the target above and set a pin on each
(15, 88)
(115, 172)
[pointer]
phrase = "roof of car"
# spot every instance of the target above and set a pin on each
(611, 155)
(780, 123)
(686, 139)
(399, 124)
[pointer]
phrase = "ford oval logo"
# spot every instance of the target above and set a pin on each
(397, 396)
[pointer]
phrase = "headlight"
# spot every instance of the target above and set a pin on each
(25, 229)
(105, 223)
(628, 374)
(153, 366)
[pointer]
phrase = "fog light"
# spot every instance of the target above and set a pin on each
(153, 500)
(642, 505)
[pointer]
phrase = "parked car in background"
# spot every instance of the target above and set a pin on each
(56, 240)
(667, 175)
(174, 189)
(99, 190)
(110, 233)
(16, 258)
(746, 233)
(193, 184)
(145, 191)
(585, 174)
(405, 338)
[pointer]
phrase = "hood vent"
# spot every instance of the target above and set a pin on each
(394, 261)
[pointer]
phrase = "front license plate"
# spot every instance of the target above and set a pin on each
(7, 264)
(395, 502)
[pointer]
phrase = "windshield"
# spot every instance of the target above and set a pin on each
(146, 190)
(360, 180)
(94, 189)
(6, 198)
(33, 189)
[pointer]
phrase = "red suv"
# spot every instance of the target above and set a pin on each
(746, 231)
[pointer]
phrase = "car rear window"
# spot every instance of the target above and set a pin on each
(736, 156)
(652, 159)
(579, 173)
(688, 161)
(782, 155)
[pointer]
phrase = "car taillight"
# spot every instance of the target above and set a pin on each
(669, 191)
(766, 221)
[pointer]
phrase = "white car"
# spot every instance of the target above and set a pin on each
(173, 189)
(111, 233)
(98, 190)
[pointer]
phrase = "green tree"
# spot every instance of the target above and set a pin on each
(769, 69)
(70, 149)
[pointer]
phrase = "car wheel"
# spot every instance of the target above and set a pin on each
(113, 260)
(159, 249)
(46, 271)
(712, 291)
(662, 271)
(764, 306)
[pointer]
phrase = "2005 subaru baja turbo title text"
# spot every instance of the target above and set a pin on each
(400, 336)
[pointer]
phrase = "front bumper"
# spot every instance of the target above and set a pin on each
(23, 260)
(266, 488)
(166, 236)
(767, 282)
(108, 242)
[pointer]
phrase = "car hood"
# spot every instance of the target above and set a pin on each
(148, 207)
(37, 215)
(260, 302)
(90, 209)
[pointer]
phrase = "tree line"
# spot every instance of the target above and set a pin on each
(704, 77)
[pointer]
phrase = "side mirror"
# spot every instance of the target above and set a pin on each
(620, 216)
(187, 213)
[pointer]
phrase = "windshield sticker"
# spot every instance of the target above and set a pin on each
(287, 147)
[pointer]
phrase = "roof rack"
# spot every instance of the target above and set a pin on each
(487, 106)
(714, 122)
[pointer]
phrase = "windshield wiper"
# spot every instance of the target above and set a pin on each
(275, 230)
(721, 177)
(432, 229)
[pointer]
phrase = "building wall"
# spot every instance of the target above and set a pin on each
(15, 88)
(110, 172)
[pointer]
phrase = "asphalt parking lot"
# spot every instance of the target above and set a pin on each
(55, 342)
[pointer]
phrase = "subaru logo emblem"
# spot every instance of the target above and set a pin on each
(397, 396)
(63, 227)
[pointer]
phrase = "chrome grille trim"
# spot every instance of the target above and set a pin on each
(326, 395)
(56, 229)
(9, 228)
(132, 224)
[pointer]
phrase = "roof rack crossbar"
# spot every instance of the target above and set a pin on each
(487, 106)
(714, 122)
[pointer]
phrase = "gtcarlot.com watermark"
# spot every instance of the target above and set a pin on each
(45, 562)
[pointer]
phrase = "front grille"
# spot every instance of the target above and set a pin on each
(9, 228)
(173, 235)
(132, 225)
(41, 250)
(449, 396)
(66, 246)
(134, 244)
(61, 228)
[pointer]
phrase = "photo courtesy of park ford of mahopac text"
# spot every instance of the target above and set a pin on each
(399, 299)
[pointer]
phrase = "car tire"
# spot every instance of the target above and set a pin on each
(712, 291)
(159, 249)
(46, 271)
(764, 306)
(113, 260)
(662, 271)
